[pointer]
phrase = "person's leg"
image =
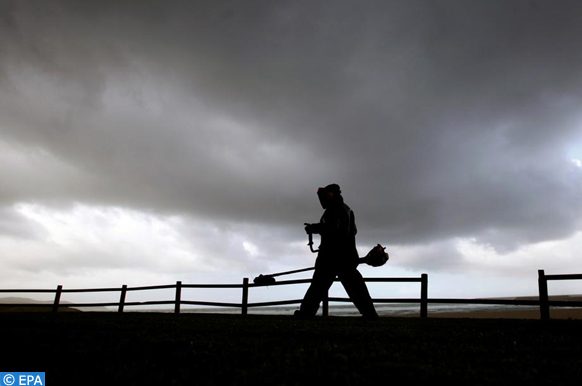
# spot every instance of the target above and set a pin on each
(322, 280)
(356, 289)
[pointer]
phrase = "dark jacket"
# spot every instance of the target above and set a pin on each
(337, 228)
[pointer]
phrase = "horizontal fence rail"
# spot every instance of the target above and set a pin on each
(179, 286)
(543, 301)
(423, 300)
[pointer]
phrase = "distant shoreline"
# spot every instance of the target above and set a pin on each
(555, 313)
(435, 310)
(516, 313)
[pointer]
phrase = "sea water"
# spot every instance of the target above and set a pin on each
(400, 309)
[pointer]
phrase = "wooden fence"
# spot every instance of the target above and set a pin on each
(244, 305)
(543, 301)
(422, 300)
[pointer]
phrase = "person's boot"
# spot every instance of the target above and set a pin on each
(300, 315)
(370, 315)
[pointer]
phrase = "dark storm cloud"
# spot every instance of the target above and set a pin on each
(438, 119)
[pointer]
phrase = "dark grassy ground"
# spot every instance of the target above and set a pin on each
(167, 349)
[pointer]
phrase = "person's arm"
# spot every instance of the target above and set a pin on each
(313, 228)
(333, 223)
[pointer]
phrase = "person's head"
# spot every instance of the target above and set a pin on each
(329, 195)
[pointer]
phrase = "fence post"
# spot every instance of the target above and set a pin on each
(424, 296)
(325, 304)
(57, 298)
(122, 298)
(543, 295)
(245, 296)
(178, 297)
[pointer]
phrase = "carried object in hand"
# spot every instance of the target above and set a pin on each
(310, 243)
(377, 257)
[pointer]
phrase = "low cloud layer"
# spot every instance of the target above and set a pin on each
(440, 120)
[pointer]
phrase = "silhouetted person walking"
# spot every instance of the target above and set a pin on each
(337, 256)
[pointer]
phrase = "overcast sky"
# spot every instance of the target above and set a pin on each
(145, 142)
